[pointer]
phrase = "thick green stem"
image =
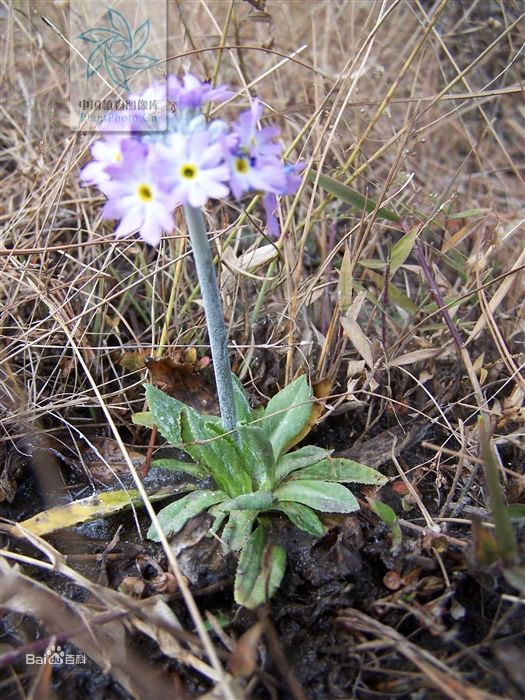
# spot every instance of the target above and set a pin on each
(504, 532)
(214, 317)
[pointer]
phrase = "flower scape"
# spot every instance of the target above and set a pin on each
(146, 174)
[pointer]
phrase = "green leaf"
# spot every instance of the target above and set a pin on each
(166, 411)
(172, 517)
(304, 457)
(257, 413)
(467, 214)
(397, 536)
(350, 196)
(450, 303)
(302, 517)
(143, 418)
(219, 517)
(516, 511)
(238, 529)
(394, 294)
(372, 264)
(177, 465)
(215, 450)
(258, 500)
(242, 405)
(260, 570)
(257, 455)
(402, 249)
(505, 535)
(324, 496)
(287, 413)
(384, 511)
(342, 470)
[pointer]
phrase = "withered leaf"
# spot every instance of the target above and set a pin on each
(243, 659)
(104, 459)
(179, 375)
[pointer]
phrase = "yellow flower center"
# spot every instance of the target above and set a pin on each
(241, 165)
(118, 156)
(144, 193)
(188, 171)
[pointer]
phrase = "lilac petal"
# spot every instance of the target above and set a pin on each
(267, 133)
(212, 155)
(219, 94)
(198, 144)
(215, 189)
(131, 222)
(174, 84)
(293, 179)
(191, 82)
(132, 148)
(151, 230)
(245, 123)
(93, 173)
(197, 197)
(221, 172)
(256, 111)
(111, 188)
(117, 206)
(269, 178)
(112, 119)
(236, 187)
(177, 147)
(270, 207)
(102, 150)
(163, 213)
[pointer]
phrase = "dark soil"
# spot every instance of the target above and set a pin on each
(355, 616)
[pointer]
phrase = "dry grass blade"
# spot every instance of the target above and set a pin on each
(435, 673)
(104, 642)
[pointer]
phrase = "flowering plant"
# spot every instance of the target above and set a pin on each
(145, 175)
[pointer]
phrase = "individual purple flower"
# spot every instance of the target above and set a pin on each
(106, 152)
(193, 167)
(248, 174)
(255, 142)
(252, 155)
(136, 196)
(191, 92)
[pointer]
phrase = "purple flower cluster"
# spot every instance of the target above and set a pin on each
(145, 175)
